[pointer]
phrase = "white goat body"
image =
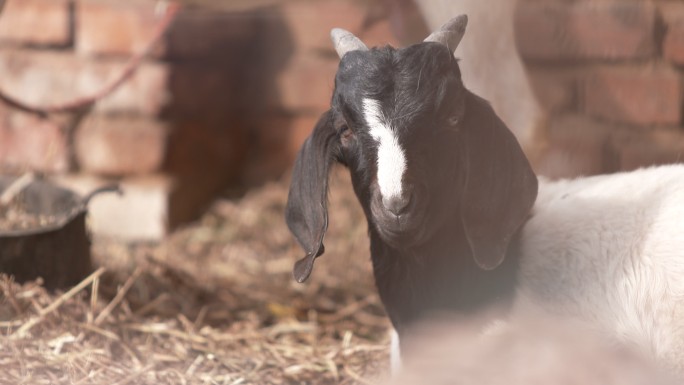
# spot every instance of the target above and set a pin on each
(609, 250)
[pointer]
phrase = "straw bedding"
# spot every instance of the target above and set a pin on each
(215, 303)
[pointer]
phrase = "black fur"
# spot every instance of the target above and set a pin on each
(440, 277)
(472, 187)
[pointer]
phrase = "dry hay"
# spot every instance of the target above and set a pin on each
(16, 217)
(213, 304)
(14, 213)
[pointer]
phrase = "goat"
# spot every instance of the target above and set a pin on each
(449, 198)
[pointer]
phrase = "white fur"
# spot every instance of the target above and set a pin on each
(395, 352)
(391, 158)
(609, 250)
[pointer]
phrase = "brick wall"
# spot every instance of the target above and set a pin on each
(229, 96)
(610, 74)
(225, 100)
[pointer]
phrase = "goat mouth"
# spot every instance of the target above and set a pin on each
(391, 222)
(408, 230)
(403, 230)
(402, 237)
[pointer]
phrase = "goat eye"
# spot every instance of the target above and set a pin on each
(346, 135)
(453, 121)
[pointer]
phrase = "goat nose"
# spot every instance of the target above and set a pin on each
(397, 204)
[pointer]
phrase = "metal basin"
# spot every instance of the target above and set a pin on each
(57, 250)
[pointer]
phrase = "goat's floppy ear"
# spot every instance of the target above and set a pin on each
(306, 212)
(500, 186)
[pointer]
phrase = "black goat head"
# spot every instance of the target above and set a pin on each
(420, 147)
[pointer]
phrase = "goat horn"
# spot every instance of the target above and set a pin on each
(450, 33)
(345, 41)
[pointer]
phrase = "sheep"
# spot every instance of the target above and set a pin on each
(458, 220)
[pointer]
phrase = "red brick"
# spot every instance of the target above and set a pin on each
(576, 146)
(204, 157)
(379, 35)
(201, 33)
(407, 21)
(49, 77)
(115, 28)
(29, 142)
(300, 128)
(648, 96)
(309, 22)
(120, 146)
(673, 45)
(651, 148)
(555, 90)
(306, 83)
(36, 22)
(202, 90)
(210, 153)
(278, 140)
(105, 27)
(586, 30)
(269, 158)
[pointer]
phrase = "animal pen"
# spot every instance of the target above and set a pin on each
(196, 109)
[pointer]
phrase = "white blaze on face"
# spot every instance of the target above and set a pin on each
(391, 158)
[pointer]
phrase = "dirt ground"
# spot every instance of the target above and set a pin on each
(215, 303)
